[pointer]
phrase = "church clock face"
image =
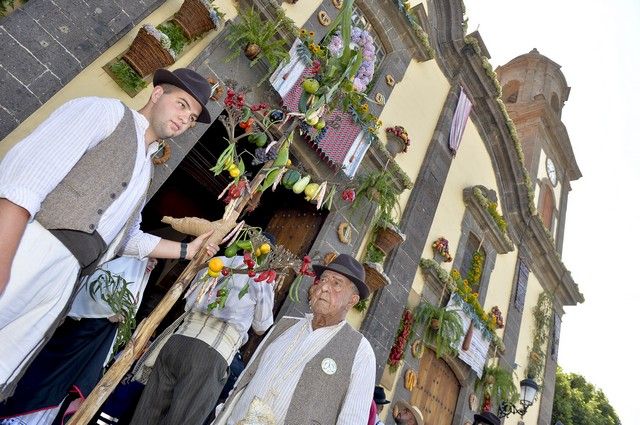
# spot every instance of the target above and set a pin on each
(551, 172)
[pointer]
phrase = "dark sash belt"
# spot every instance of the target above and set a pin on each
(88, 248)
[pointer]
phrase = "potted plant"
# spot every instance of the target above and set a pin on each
(441, 328)
(257, 38)
(196, 17)
(497, 385)
(397, 140)
(378, 187)
(388, 236)
(150, 50)
(374, 274)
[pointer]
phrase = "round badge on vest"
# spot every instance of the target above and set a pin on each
(329, 366)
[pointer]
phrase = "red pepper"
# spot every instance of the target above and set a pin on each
(251, 273)
(272, 276)
(262, 276)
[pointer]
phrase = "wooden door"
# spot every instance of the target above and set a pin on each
(295, 227)
(436, 392)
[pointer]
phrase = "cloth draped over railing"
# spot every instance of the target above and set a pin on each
(459, 122)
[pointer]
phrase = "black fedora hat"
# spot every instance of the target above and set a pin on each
(379, 396)
(348, 267)
(486, 418)
(191, 82)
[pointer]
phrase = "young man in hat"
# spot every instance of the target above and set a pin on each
(316, 369)
(407, 414)
(71, 194)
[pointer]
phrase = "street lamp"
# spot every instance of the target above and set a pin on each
(528, 392)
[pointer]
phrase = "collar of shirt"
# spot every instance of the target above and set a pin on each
(143, 124)
(309, 318)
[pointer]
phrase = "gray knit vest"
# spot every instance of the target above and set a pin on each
(94, 182)
(318, 397)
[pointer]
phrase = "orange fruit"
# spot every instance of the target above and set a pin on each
(216, 264)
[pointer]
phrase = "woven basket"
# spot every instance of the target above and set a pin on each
(387, 239)
(193, 17)
(146, 54)
(374, 279)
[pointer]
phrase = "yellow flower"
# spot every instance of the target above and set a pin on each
(364, 107)
(311, 33)
(303, 31)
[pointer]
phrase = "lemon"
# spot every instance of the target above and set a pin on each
(265, 248)
(212, 273)
(234, 172)
(216, 264)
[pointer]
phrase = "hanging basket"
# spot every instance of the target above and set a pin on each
(395, 145)
(147, 54)
(194, 18)
(374, 276)
(388, 238)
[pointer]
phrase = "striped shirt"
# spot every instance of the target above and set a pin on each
(254, 309)
(36, 165)
(282, 365)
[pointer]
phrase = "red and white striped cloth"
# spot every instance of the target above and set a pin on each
(341, 133)
(460, 116)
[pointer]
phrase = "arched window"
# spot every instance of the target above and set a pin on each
(510, 91)
(547, 206)
(555, 103)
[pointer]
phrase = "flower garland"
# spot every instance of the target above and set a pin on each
(403, 335)
(475, 271)
(364, 40)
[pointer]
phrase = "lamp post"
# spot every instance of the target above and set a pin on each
(528, 392)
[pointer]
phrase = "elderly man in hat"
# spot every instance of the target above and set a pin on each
(311, 370)
(485, 418)
(71, 194)
(407, 414)
(380, 400)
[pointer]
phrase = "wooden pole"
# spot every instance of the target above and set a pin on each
(136, 346)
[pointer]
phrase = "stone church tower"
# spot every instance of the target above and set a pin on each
(534, 91)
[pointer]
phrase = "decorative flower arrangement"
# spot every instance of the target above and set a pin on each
(164, 40)
(339, 69)
(401, 133)
(496, 317)
(475, 271)
(441, 246)
(402, 337)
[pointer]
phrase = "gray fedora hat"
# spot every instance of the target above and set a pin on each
(348, 267)
(191, 82)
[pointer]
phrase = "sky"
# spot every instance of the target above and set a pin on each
(596, 43)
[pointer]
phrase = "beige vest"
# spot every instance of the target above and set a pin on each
(94, 182)
(318, 397)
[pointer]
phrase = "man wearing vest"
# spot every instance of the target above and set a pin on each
(191, 368)
(71, 194)
(311, 370)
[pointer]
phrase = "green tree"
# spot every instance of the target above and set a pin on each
(578, 402)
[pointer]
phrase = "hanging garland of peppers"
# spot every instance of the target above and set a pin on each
(403, 336)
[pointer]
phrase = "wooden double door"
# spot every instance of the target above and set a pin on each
(436, 392)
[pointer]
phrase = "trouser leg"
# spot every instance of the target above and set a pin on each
(202, 374)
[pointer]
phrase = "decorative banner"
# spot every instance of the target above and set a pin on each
(459, 122)
(476, 355)
(343, 143)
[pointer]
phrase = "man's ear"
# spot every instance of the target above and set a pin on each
(156, 93)
(353, 300)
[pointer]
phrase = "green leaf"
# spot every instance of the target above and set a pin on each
(244, 290)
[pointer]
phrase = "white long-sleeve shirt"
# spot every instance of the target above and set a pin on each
(254, 309)
(36, 165)
(283, 362)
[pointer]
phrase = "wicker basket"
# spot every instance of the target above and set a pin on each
(374, 278)
(146, 54)
(387, 238)
(194, 19)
